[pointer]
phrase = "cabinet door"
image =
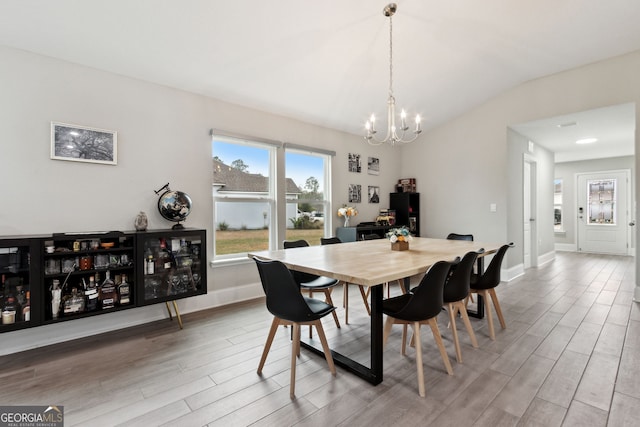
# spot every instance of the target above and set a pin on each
(19, 290)
(171, 265)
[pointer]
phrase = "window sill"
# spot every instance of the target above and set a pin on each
(229, 262)
(560, 232)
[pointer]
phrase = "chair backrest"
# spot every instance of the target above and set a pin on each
(284, 299)
(458, 283)
(330, 240)
(427, 299)
(456, 236)
(299, 276)
(371, 236)
(491, 276)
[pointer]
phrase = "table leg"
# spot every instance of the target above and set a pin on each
(372, 374)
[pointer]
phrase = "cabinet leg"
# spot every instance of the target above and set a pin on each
(175, 307)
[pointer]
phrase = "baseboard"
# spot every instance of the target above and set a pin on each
(567, 247)
(546, 258)
(511, 273)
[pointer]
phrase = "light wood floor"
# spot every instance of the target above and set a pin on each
(570, 356)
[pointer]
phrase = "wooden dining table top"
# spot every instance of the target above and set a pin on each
(372, 262)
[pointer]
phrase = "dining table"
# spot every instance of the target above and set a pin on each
(372, 263)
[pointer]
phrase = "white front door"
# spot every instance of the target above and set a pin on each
(603, 217)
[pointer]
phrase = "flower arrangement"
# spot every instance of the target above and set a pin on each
(347, 212)
(399, 235)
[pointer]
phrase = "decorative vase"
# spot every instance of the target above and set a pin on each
(346, 221)
(400, 246)
(141, 222)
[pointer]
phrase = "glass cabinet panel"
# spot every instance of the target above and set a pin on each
(172, 264)
(17, 281)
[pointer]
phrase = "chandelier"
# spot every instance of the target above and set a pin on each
(395, 135)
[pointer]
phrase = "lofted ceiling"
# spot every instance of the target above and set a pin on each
(326, 62)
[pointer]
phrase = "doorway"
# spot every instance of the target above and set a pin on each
(603, 200)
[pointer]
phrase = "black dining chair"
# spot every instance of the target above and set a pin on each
(345, 297)
(311, 282)
(456, 292)
(485, 285)
(290, 307)
(456, 236)
(420, 307)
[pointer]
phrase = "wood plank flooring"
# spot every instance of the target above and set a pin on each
(570, 356)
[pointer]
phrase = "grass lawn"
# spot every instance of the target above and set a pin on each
(235, 241)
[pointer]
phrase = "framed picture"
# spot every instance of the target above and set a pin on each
(83, 144)
(374, 194)
(373, 166)
(355, 195)
(354, 163)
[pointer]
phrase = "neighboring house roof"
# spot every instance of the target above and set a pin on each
(231, 179)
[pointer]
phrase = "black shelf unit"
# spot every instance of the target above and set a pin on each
(179, 265)
(20, 269)
(76, 258)
(407, 207)
(34, 262)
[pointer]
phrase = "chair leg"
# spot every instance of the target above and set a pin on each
(325, 347)
(438, 338)
(328, 300)
(401, 283)
(420, 369)
(454, 330)
(364, 299)
(294, 352)
(387, 330)
(272, 333)
(345, 302)
(404, 340)
(496, 305)
(487, 312)
(465, 318)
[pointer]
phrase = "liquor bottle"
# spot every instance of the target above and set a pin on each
(124, 291)
(91, 294)
(150, 267)
(9, 310)
(164, 257)
(26, 309)
(108, 292)
(73, 303)
(55, 298)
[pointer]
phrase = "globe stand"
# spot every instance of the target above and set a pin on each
(178, 226)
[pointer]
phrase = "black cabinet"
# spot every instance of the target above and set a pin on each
(407, 207)
(20, 292)
(57, 277)
(171, 265)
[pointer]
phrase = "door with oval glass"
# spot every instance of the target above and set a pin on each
(602, 212)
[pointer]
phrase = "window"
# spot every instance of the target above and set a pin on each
(557, 205)
(307, 195)
(601, 201)
(245, 200)
(243, 195)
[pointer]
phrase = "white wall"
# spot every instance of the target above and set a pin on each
(163, 136)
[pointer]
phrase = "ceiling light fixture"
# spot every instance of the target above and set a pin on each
(392, 136)
(586, 141)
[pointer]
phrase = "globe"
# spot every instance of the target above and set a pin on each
(174, 206)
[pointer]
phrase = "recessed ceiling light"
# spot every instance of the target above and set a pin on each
(566, 125)
(586, 141)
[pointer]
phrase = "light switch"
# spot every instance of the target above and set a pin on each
(493, 207)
